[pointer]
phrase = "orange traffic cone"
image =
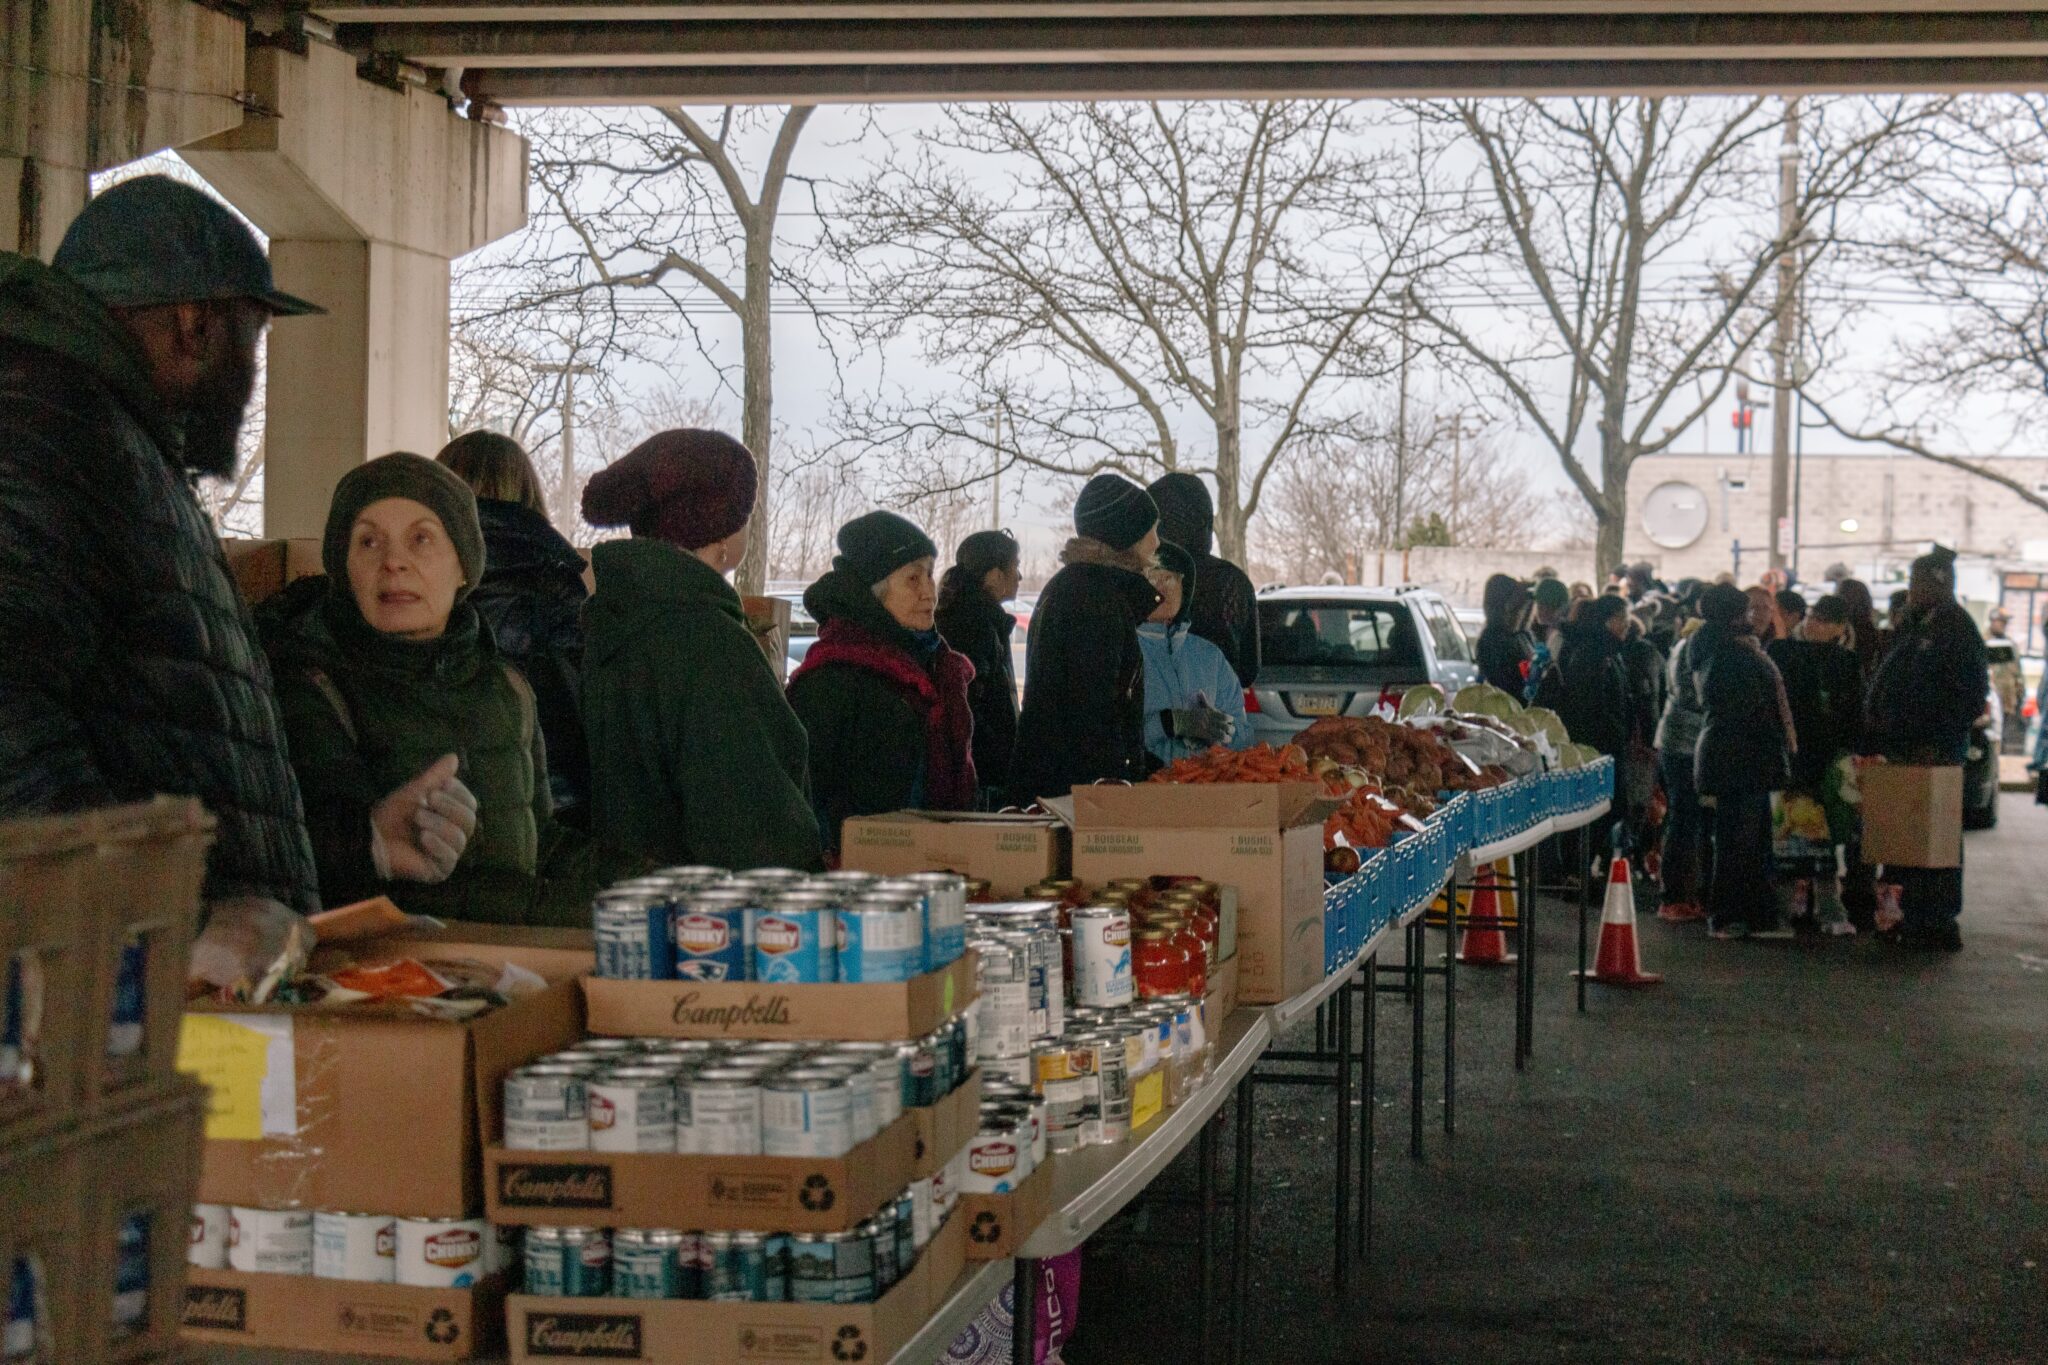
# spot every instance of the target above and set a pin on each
(1485, 944)
(1620, 963)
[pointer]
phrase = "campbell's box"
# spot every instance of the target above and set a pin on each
(881, 1011)
(376, 1106)
(548, 1330)
(710, 1193)
(1009, 852)
(998, 1224)
(1265, 839)
(348, 1317)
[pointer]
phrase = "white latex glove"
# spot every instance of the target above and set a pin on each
(249, 941)
(418, 833)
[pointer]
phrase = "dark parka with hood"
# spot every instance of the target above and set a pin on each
(1588, 687)
(885, 708)
(695, 754)
(1742, 745)
(1084, 695)
(532, 597)
(128, 662)
(1930, 688)
(1225, 610)
(368, 712)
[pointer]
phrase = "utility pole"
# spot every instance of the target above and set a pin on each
(1401, 439)
(995, 497)
(569, 506)
(1785, 345)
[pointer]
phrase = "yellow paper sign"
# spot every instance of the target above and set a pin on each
(231, 1060)
(946, 997)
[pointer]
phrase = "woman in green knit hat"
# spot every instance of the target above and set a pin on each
(401, 714)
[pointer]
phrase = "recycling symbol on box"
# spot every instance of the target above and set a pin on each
(848, 1344)
(987, 1228)
(817, 1194)
(442, 1328)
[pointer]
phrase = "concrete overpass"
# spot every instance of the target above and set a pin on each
(334, 124)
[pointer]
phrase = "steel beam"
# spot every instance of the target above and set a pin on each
(692, 11)
(877, 83)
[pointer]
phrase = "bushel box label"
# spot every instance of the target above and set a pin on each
(555, 1186)
(216, 1310)
(584, 1336)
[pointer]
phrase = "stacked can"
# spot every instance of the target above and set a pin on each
(1036, 924)
(439, 1253)
(1003, 1003)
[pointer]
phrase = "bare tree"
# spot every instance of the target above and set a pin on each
(1630, 244)
(666, 216)
(1969, 232)
(1127, 287)
(1333, 499)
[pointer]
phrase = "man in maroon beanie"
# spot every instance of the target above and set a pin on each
(695, 756)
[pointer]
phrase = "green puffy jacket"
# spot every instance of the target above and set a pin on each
(366, 713)
(695, 756)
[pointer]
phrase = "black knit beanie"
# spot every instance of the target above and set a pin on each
(405, 475)
(876, 545)
(1724, 604)
(1115, 511)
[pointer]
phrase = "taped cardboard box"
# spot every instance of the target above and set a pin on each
(707, 1193)
(768, 618)
(693, 1332)
(262, 568)
(998, 1224)
(302, 1313)
(944, 1128)
(1264, 839)
(98, 1212)
(1912, 815)
(1009, 852)
(372, 1106)
(76, 892)
(877, 1012)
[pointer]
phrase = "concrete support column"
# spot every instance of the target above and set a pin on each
(366, 193)
(87, 87)
(369, 377)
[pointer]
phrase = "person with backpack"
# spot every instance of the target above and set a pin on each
(398, 708)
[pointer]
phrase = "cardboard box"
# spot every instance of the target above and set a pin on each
(262, 568)
(997, 1224)
(690, 1332)
(372, 1107)
(769, 619)
(1264, 839)
(1009, 852)
(1912, 816)
(1221, 1001)
(64, 1200)
(944, 1128)
(669, 1190)
(73, 891)
(301, 1313)
(875, 1013)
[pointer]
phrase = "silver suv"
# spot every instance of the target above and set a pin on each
(1349, 651)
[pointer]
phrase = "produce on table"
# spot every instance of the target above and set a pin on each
(1484, 699)
(1397, 756)
(1424, 699)
(1260, 763)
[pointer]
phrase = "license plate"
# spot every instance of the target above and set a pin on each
(1316, 704)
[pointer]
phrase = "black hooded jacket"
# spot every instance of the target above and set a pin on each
(1225, 609)
(532, 597)
(978, 626)
(128, 662)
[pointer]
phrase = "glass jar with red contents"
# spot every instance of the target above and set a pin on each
(1200, 917)
(1137, 889)
(1184, 936)
(1160, 962)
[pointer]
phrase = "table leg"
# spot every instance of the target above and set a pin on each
(1343, 1201)
(1451, 1013)
(1366, 1132)
(1525, 908)
(1415, 1039)
(1024, 1319)
(1241, 1230)
(1206, 1161)
(1581, 845)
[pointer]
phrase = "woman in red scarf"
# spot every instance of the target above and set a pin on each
(882, 696)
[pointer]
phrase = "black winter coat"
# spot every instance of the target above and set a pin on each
(1084, 690)
(1824, 687)
(532, 597)
(1504, 657)
(1930, 689)
(128, 662)
(861, 695)
(981, 629)
(1225, 607)
(1590, 691)
(1742, 744)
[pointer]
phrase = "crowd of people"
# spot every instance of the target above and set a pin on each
(1736, 717)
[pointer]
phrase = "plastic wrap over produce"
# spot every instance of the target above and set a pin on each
(1483, 742)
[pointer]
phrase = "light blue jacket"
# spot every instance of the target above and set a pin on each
(1182, 670)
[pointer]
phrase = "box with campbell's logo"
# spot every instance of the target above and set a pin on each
(838, 1011)
(997, 1224)
(544, 1331)
(302, 1313)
